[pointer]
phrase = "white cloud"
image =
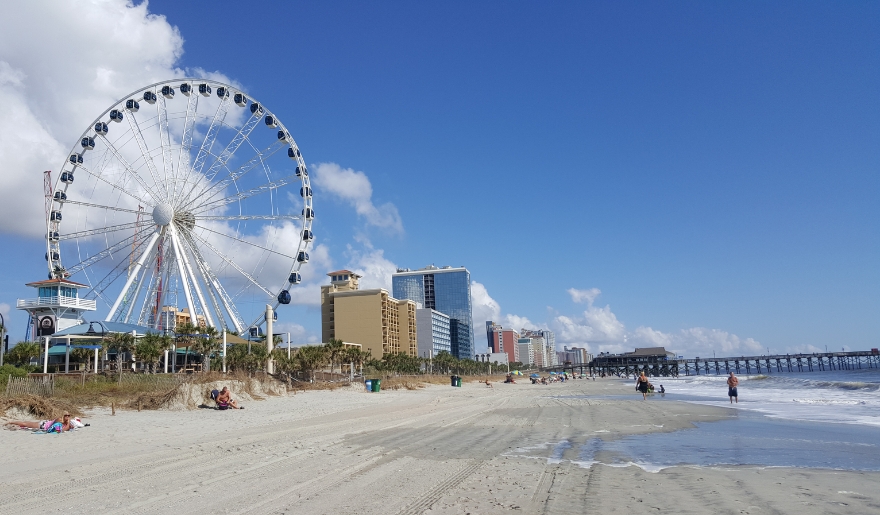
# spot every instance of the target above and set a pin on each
(485, 308)
(51, 88)
(697, 341)
(588, 296)
(298, 334)
(354, 188)
(596, 325)
(372, 265)
(598, 329)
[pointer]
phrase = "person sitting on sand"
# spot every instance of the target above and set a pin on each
(224, 400)
(489, 384)
(58, 425)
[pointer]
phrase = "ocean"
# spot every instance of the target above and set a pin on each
(826, 420)
(841, 397)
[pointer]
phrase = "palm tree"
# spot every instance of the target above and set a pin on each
(444, 361)
(186, 334)
(207, 344)
(335, 349)
(121, 343)
(23, 352)
(150, 349)
(310, 357)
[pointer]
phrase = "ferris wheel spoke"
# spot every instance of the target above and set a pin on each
(249, 217)
(164, 141)
(117, 271)
(91, 260)
(233, 264)
(210, 137)
(233, 145)
(140, 263)
(116, 186)
(210, 190)
(104, 230)
(142, 145)
(183, 156)
(214, 285)
(99, 206)
(214, 204)
(128, 168)
(250, 243)
(204, 274)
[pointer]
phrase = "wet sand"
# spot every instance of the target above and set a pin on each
(435, 450)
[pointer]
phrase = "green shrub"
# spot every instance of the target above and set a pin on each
(10, 370)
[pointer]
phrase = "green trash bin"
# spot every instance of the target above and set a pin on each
(458, 381)
(377, 385)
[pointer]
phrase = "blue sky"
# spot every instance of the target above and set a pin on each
(698, 175)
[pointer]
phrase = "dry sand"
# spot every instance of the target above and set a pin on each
(435, 450)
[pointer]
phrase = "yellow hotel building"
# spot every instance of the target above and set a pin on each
(371, 318)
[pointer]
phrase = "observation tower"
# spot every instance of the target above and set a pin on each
(56, 307)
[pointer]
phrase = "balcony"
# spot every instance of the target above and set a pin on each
(57, 301)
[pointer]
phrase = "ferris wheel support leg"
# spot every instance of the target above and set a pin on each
(270, 340)
(137, 269)
(183, 277)
(195, 282)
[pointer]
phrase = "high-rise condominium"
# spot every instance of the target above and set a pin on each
(447, 290)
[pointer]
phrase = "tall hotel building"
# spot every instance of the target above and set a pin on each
(447, 290)
(503, 340)
(372, 318)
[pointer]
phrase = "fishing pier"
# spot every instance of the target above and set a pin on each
(660, 364)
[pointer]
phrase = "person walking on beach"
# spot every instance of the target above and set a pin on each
(732, 383)
(642, 385)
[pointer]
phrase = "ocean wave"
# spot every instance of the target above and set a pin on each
(831, 402)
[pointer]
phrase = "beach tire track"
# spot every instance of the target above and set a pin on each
(425, 502)
(317, 485)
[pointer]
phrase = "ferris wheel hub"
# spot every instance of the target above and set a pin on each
(163, 214)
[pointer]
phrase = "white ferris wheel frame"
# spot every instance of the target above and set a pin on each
(204, 293)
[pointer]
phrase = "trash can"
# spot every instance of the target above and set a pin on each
(377, 385)
(458, 381)
(454, 380)
(369, 385)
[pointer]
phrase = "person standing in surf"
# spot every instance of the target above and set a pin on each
(642, 385)
(732, 383)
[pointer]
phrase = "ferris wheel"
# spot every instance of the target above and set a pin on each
(184, 194)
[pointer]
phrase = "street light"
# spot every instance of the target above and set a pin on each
(2, 343)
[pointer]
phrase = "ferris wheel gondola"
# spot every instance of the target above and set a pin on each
(183, 202)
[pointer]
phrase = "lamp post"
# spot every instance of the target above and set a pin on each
(2, 341)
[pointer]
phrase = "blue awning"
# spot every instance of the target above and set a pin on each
(104, 328)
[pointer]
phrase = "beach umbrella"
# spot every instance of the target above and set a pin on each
(535, 375)
(553, 373)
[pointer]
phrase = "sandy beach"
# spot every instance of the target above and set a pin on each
(511, 448)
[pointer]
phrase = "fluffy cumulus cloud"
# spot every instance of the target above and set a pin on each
(51, 88)
(354, 188)
(485, 308)
(598, 329)
(371, 264)
(588, 296)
